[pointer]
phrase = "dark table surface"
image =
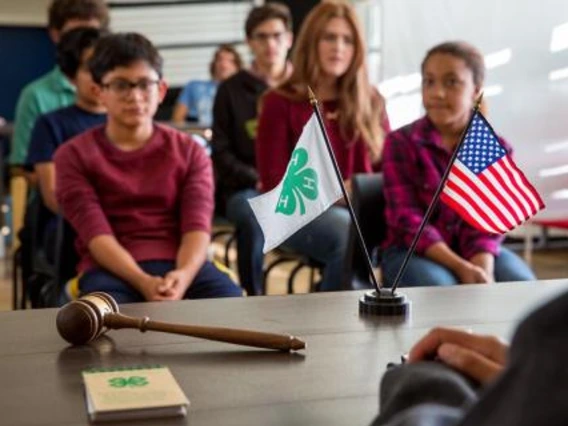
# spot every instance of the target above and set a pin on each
(333, 382)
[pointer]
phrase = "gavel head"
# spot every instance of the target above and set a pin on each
(82, 320)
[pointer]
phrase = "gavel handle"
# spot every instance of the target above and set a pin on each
(256, 339)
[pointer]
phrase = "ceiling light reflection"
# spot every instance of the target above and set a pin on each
(496, 59)
(553, 171)
(558, 74)
(400, 84)
(559, 39)
(494, 90)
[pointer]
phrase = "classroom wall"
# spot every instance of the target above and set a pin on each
(24, 12)
(24, 40)
(525, 43)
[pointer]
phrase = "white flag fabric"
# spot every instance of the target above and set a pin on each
(308, 188)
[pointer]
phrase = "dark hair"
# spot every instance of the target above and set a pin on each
(225, 48)
(61, 11)
(121, 50)
(462, 50)
(71, 47)
(260, 14)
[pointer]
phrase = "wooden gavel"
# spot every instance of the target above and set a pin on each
(85, 319)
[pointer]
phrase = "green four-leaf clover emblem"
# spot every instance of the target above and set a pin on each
(132, 381)
(299, 182)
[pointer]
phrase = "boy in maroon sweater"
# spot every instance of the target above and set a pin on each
(138, 194)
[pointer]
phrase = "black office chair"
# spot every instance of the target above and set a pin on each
(64, 264)
(369, 207)
(29, 265)
(50, 269)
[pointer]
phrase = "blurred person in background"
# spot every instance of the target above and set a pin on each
(195, 102)
(330, 57)
(269, 36)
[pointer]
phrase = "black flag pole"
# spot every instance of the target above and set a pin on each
(314, 103)
(379, 301)
(434, 201)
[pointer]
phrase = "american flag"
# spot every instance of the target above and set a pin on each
(485, 186)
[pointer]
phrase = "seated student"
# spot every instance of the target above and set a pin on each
(138, 194)
(450, 251)
(53, 90)
(195, 102)
(53, 129)
(268, 31)
(329, 57)
(49, 92)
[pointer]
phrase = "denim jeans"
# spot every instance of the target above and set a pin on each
(325, 239)
(421, 271)
(209, 282)
(250, 241)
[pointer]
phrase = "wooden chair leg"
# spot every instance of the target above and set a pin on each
(232, 239)
(292, 277)
(20, 292)
(313, 286)
(15, 286)
(270, 267)
(19, 191)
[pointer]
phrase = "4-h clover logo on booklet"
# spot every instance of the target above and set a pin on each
(132, 381)
(299, 182)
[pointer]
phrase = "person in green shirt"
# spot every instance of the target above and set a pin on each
(50, 92)
(53, 90)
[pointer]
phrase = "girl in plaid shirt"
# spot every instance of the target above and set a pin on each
(450, 251)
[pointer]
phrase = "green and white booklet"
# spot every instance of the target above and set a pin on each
(139, 392)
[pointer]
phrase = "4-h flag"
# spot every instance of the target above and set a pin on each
(485, 186)
(309, 187)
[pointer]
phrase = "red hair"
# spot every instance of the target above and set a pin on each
(360, 104)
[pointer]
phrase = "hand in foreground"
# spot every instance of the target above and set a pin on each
(477, 356)
(469, 273)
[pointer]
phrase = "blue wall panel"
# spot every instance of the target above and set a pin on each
(26, 53)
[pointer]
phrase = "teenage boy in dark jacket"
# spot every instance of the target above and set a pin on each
(269, 36)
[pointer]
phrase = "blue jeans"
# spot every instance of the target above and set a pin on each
(209, 282)
(325, 239)
(421, 271)
(250, 241)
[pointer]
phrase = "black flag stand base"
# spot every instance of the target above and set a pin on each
(385, 303)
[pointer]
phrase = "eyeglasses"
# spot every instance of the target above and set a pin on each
(265, 37)
(124, 87)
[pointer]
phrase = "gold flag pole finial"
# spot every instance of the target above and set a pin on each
(312, 96)
(478, 101)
